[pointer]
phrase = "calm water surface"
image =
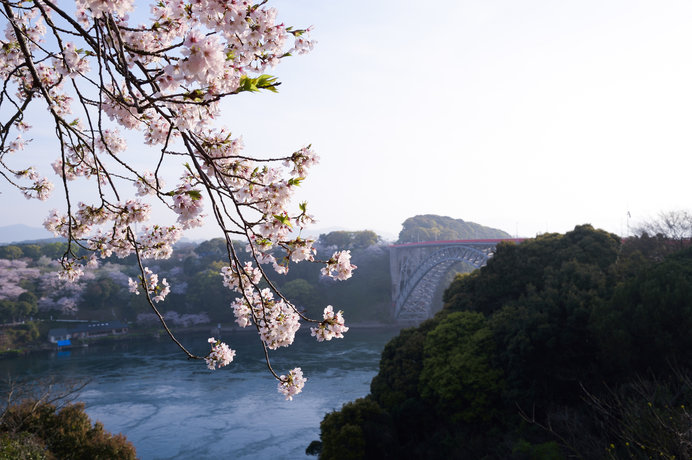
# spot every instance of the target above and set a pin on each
(172, 408)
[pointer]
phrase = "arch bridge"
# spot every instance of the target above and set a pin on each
(418, 268)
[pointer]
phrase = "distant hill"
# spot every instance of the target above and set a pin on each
(430, 227)
(22, 233)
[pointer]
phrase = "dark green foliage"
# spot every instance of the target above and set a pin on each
(400, 366)
(53, 250)
(39, 430)
(32, 251)
(361, 429)
(214, 249)
(35, 251)
(23, 446)
(535, 268)
(302, 294)
(206, 292)
(647, 325)
(28, 297)
(349, 240)
(103, 293)
(314, 448)
(458, 378)
(543, 451)
(430, 227)
(538, 355)
(18, 336)
(11, 252)
(17, 310)
(540, 296)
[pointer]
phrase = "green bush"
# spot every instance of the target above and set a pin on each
(41, 430)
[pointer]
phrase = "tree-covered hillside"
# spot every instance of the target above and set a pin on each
(30, 287)
(565, 346)
(430, 227)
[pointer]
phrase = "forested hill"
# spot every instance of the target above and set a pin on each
(564, 346)
(30, 288)
(430, 227)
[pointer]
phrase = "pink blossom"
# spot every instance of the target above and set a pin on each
(339, 266)
(292, 384)
(220, 355)
(151, 281)
(332, 326)
(276, 320)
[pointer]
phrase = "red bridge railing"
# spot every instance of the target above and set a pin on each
(442, 242)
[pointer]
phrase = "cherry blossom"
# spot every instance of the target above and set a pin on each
(100, 77)
(277, 320)
(12, 272)
(332, 326)
(292, 384)
(150, 281)
(220, 354)
(339, 266)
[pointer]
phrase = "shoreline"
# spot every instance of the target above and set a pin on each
(157, 333)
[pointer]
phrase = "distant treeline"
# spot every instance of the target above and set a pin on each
(430, 227)
(31, 289)
(565, 346)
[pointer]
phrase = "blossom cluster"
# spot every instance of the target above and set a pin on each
(292, 384)
(220, 355)
(332, 326)
(41, 187)
(12, 272)
(240, 278)
(276, 320)
(150, 281)
(339, 266)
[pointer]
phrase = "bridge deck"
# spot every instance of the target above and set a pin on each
(448, 242)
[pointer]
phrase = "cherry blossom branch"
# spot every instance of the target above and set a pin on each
(166, 79)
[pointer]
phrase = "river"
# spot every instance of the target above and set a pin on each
(172, 408)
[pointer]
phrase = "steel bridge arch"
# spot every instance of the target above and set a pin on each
(458, 253)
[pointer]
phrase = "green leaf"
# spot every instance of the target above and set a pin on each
(255, 84)
(194, 194)
(283, 219)
(196, 95)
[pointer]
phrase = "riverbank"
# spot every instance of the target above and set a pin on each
(138, 334)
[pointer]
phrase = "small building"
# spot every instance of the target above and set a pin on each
(57, 335)
(87, 330)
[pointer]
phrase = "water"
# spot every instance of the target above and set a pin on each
(172, 408)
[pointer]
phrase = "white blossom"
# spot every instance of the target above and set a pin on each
(332, 326)
(220, 355)
(292, 384)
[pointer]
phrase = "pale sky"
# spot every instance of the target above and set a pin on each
(528, 116)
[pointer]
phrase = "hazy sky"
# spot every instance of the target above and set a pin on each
(529, 116)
